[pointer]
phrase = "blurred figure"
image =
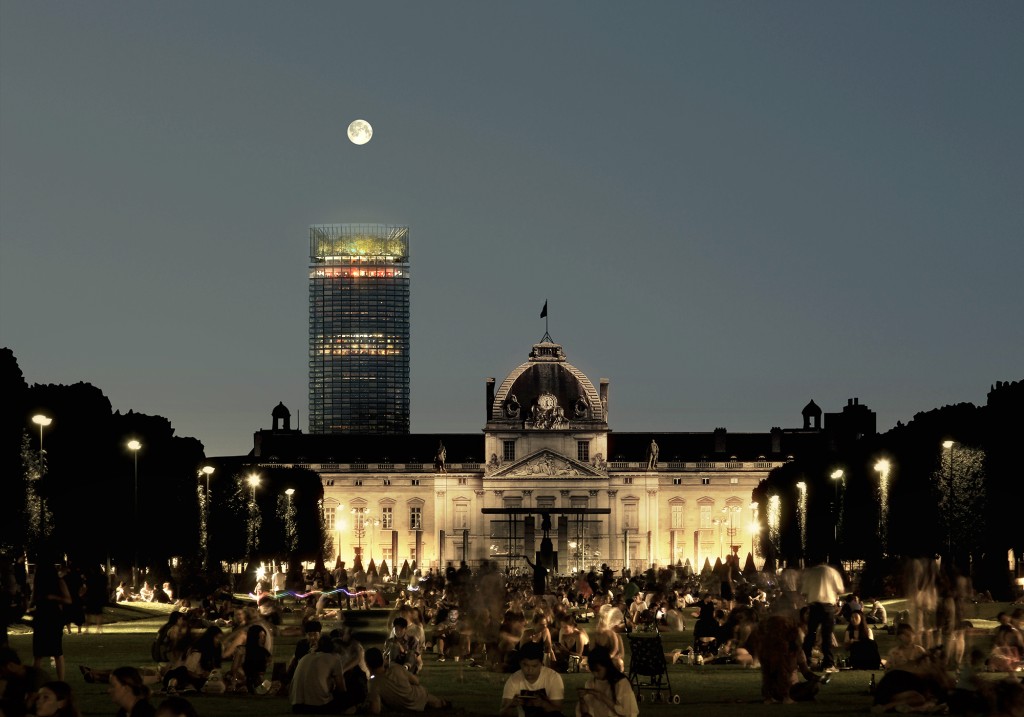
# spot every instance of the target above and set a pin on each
(821, 585)
(49, 596)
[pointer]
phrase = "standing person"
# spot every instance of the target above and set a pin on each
(393, 687)
(821, 585)
(608, 692)
(49, 597)
(538, 690)
(129, 693)
(95, 599)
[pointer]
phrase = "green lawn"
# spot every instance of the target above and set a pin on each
(712, 691)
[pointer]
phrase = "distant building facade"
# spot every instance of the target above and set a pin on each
(625, 499)
(358, 329)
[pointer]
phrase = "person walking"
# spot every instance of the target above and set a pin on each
(821, 585)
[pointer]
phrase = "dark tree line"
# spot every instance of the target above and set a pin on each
(94, 509)
(961, 501)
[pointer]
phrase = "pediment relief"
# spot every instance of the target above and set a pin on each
(547, 464)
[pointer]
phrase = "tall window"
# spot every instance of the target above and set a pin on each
(388, 555)
(583, 451)
(631, 516)
(461, 516)
(677, 516)
(415, 517)
(508, 450)
(705, 517)
(329, 516)
(387, 517)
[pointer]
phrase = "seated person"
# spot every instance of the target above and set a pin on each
(21, 684)
(540, 633)
(122, 593)
(1007, 644)
(907, 653)
(147, 593)
(877, 615)
(393, 688)
(538, 690)
(308, 644)
(448, 634)
(163, 594)
(401, 648)
(608, 693)
(252, 660)
(860, 644)
(318, 685)
(572, 642)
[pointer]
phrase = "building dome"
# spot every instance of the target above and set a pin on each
(547, 393)
(280, 411)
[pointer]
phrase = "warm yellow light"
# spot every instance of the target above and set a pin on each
(801, 486)
(838, 474)
(41, 420)
(339, 525)
(754, 505)
(289, 492)
(254, 480)
(134, 445)
(882, 466)
(945, 444)
(208, 470)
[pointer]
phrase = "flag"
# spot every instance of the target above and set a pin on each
(544, 311)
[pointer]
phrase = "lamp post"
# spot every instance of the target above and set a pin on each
(42, 421)
(339, 527)
(948, 445)
(289, 521)
(802, 516)
(362, 521)
(882, 466)
(774, 516)
(254, 481)
(134, 446)
(837, 478)
(755, 529)
(204, 517)
(731, 511)
(719, 522)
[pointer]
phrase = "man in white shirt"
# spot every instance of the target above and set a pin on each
(538, 690)
(821, 585)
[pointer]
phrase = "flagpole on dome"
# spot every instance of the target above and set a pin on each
(544, 315)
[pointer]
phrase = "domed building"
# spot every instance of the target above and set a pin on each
(547, 466)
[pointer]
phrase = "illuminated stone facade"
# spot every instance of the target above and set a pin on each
(670, 497)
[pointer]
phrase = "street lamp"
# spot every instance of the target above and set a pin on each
(42, 421)
(339, 528)
(837, 478)
(719, 522)
(204, 518)
(802, 516)
(755, 529)
(731, 511)
(253, 480)
(289, 521)
(134, 446)
(882, 466)
(948, 445)
(774, 522)
(362, 521)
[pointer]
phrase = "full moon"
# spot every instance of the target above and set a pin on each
(360, 132)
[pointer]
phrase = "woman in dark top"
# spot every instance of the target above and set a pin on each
(861, 644)
(129, 693)
(49, 596)
(252, 660)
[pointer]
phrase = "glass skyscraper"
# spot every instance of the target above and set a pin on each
(358, 328)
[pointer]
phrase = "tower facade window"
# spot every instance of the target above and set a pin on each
(358, 329)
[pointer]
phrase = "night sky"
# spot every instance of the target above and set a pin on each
(732, 208)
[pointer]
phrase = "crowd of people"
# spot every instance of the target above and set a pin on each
(784, 625)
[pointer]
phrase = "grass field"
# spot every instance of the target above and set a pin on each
(708, 691)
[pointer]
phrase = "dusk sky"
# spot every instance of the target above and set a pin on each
(731, 208)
